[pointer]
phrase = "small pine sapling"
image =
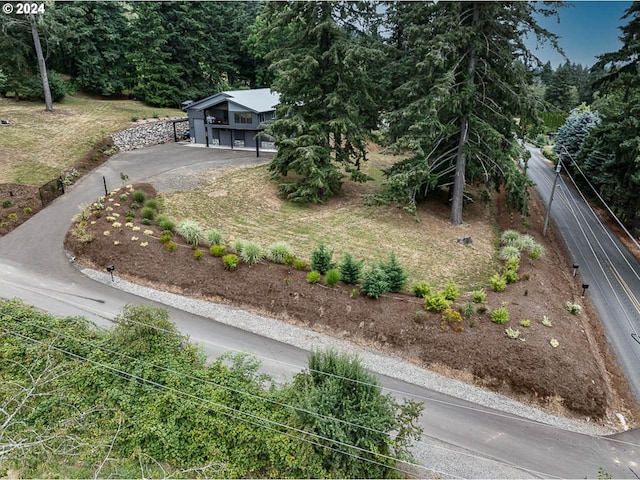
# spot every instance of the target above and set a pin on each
(374, 282)
(350, 269)
(321, 259)
(396, 276)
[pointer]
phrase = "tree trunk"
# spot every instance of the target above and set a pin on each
(48, 102)
(457, 200)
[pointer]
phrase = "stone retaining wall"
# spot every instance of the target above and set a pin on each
(147, 134)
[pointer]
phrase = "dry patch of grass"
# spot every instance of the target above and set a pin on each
(244, 203)
(38, 146)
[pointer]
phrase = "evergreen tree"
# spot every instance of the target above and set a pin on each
(350, 269)
(322, 71)
(458, 106)
(396, 276)
(572, 135)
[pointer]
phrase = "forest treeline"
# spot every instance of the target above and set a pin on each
(458, 100)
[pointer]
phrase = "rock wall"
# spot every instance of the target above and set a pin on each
(147, 134)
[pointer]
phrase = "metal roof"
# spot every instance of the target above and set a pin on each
(257, 100)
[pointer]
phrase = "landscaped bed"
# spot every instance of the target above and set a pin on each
(563, 365)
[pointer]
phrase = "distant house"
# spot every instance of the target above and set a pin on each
(232, 119)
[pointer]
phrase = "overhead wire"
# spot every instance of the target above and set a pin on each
(224, 409)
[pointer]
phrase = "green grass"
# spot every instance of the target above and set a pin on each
(252, 210)
(39, 146)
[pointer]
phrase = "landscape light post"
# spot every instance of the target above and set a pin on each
(575, 269)
(553, 190)
(584, 289)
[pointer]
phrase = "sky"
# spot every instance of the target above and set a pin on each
(587, 29)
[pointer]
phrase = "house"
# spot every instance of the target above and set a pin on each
(232, 119)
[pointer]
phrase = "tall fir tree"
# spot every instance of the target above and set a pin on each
(322, 70)
(466, 100)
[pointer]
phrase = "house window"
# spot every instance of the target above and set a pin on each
(243, 117)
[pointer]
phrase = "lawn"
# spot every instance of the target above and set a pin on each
(244, 203)
(39, 146)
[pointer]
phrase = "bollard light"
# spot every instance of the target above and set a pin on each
(575, 269)
(110, 269)
(584, 289)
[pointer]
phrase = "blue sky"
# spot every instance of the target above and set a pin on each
(587, 29)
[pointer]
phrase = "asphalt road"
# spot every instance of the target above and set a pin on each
(605, 265)
(461, 438)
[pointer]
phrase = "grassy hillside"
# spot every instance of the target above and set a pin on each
(38, 146)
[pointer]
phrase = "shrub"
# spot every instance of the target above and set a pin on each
(468, 309)
(300, 264)
(165, 223)
(214, 237)
(452, 318)
(350, 269)
(436, 302)
(525, 323)
(511, 270)
(546, 321)
(289, 259)
(164, 238)
(420, 316)
(27, 210)
(12, 216)
(313, 276)
(278, 252)
(230, 262)
(151, 203)
(511, 333)
(134, 206)
(124, 197)
(396, 276)
(500, 315)
(332, 277)
(509, 237)
(536, 252)
(217, 250)
(422, 289)
(130, 214)
(171, 246)
(525, 242)
(509, 252)
(148, 212)
(374, 282)
(238, 245)
(197, 254)
(479, 296)
(573, 308)
(6, 203)
(191, 232)
(146, 221)
(354, 293)
(139, 196)
(498, 282)
(251, 253)
(321, 259)
(451, 291)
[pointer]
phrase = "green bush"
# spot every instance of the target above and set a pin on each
(214, 237)
(278, 252)
(124, 197)
(525, 242)
(135, 205)
(509, 237)
(300, 264)
(146, 221)
(313, 276)
(32, 87)
(151, 203)
(12, 216)
(525, 323)
(191, 232)
(479, 296)
(217, 250)
(164, 238)
(230, 262)
(536, 252)
(350, 270)
(165, 223)
(251, 253)
(508, 252)
(139, 196)
(27, 210)
(468, 309)
(573, 308)
(451, 291)
(396, 276)
(148, 213)
(436, 302)
(374, 282)
(6, 203)
(321, 259)
(498, 282)
(500, 315)
(197, 254)
(332, 277)
(171, 246)
(238, 245)
(422, 289)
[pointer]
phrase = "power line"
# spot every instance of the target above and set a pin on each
(230, 411)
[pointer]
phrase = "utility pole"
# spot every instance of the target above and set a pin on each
(553, 190)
